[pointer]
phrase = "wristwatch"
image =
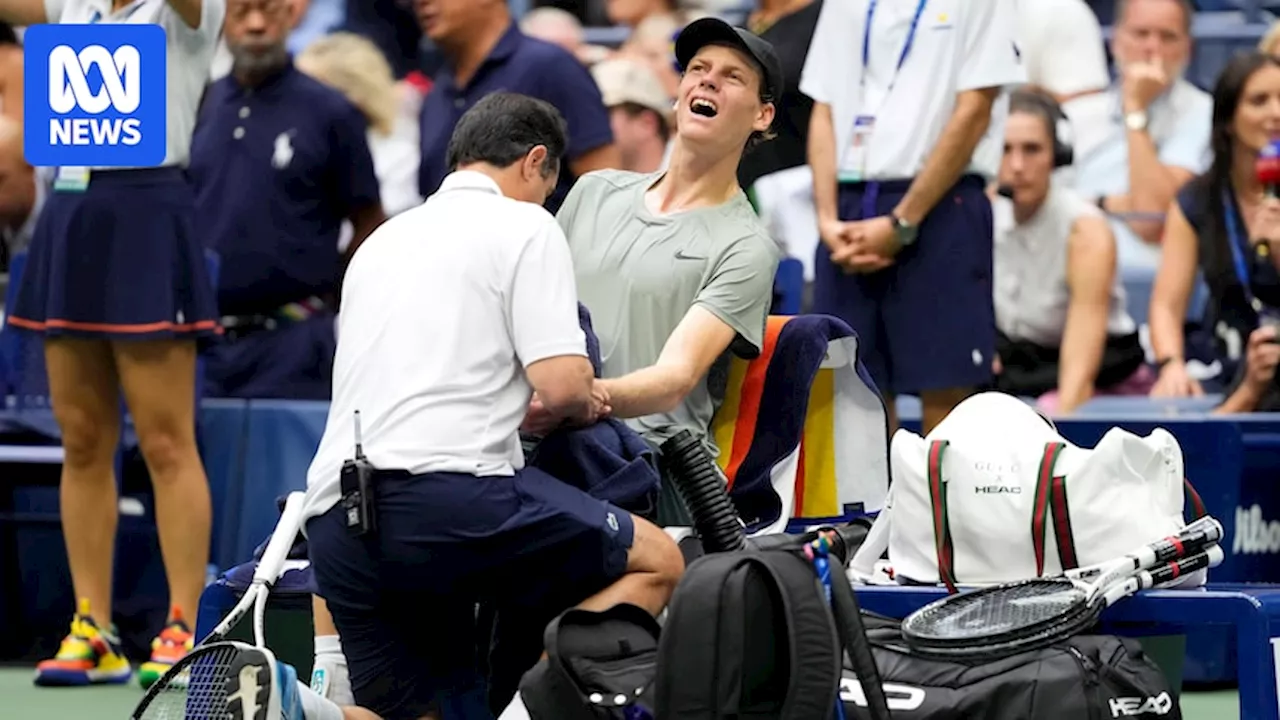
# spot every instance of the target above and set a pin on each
(905, 231)
(1136, 120)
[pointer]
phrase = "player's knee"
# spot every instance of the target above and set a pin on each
(655, 553)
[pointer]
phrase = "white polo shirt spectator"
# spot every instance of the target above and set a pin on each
(956, 46)
(1178, 123)
(425, 410)
(907, 127)
(1155, 127)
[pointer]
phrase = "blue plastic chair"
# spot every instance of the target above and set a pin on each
(788, 287)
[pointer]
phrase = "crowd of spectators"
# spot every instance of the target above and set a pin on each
(1138, 133)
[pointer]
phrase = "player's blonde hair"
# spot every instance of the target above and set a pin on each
(355, 67)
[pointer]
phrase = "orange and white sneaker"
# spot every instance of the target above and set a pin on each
(171, 645)
(87, 656)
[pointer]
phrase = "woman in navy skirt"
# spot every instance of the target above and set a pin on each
(117, 285)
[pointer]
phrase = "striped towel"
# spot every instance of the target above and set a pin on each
(802, 431)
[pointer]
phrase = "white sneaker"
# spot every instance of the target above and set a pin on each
(259, 688)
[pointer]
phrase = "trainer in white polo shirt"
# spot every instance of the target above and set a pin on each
(906, 129)
(459, 327)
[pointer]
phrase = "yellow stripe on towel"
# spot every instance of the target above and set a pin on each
(726, 420)
(820, 493)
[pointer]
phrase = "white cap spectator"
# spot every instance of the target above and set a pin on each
(623, 80)
(640, 112)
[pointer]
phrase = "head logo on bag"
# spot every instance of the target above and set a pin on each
(997, 489)
(1159, 705)
(900, 697)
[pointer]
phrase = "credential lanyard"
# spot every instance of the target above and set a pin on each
(906, 47)
(1239, 242)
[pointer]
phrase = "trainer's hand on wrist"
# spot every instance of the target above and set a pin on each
(538, 421)
(600, 406)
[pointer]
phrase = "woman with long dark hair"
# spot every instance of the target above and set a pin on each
(1227, 225)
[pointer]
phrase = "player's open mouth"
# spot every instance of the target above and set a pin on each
(705, 108)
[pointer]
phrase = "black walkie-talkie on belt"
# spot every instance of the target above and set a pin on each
(357, 489)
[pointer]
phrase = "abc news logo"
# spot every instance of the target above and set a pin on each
(121, 90)
(96, 95)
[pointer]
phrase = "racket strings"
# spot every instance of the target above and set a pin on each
(1008, 609)
(197, 688)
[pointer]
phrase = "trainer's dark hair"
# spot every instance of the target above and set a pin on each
(503, 127)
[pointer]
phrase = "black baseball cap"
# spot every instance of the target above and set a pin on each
(713, 31)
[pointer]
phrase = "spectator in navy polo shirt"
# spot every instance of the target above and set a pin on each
(279, 161)
(485, 52)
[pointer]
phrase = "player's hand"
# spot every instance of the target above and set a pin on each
(1141, 83)
(1261, 358)
(538, 421)
(1174, 382)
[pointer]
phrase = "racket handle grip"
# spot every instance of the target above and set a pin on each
(273, 558)
(1211, 557)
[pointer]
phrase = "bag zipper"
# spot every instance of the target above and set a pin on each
(1089, 672)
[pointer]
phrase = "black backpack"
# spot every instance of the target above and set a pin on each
(1089, 677)
(751, 636)
(599, 666)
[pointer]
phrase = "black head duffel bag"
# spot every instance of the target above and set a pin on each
(1089, 677)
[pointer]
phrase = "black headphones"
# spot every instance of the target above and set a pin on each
(1063, 150)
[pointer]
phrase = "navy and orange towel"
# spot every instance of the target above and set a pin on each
(803, 432)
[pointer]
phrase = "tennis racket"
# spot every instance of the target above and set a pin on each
(1017, 617)
(196, 686)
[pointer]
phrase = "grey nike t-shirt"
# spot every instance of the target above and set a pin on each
(639, 274)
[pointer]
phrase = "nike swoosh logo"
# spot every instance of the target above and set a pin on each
(681, 256)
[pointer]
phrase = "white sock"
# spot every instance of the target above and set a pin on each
(328, 644)
(315, 707)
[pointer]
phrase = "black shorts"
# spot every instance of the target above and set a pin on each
(404, 599)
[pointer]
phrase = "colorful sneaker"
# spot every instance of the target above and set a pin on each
(260, 688)
(170, 646)
(87, 656)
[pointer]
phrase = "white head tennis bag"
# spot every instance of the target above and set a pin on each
(994, 494)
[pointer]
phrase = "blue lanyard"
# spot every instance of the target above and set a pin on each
(906, 47)
(1239, 242)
